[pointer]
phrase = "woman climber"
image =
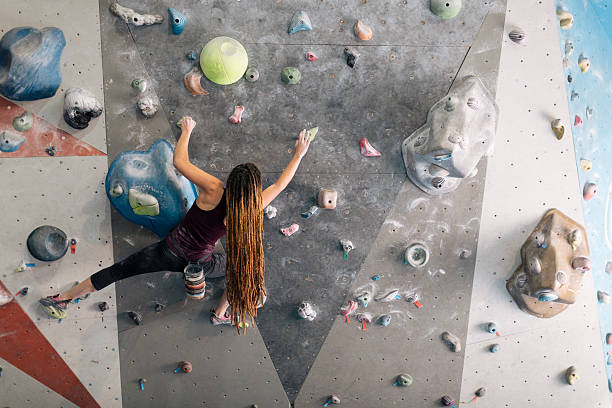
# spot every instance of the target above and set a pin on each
(235, 210)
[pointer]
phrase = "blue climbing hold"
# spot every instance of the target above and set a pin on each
(30, 63)
(299, 22)
(146, 189)
(10, 142)
(178, 21)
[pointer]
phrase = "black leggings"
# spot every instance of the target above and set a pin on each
(154, 258)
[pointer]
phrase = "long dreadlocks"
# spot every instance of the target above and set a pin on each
(244, 270)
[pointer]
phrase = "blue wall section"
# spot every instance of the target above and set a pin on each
(593, 141)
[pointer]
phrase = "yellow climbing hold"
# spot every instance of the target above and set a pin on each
(312, 133)
(566, 19)
(584, 64)
(586, 165)
(558, 128)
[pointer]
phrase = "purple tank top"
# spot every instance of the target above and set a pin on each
(195, 237)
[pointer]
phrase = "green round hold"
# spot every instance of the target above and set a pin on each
(291, 75)
(404, 380)
(445, 8)
(24, 122)
(224, 60)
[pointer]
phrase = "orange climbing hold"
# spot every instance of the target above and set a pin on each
(363, 31)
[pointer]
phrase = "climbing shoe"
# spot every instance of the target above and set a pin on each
(226, 319)
(54, 307)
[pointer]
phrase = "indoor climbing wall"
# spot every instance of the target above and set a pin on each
(531, 172)
(76, 361)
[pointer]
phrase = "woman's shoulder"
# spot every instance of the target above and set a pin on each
(209, 200)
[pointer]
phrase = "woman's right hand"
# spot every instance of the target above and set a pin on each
(187, 123)
(302, 143)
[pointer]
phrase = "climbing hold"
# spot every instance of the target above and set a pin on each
(270, 212)
(136, 317)
(414, 299)
(349, 307)
(141, 383)
(362, 31)
(465, 254)
(589, 191)
(603, 297)
(251, 74)
(481, 392)
(159, 307)
(416, 255)
(609, 338)
(581, 264)
(148, 103)
(445, 8)
(364, 318)
(589, 112)
(192, 55)
(327, 199)
(237, 115)
(47, 243)
(23, 266)
(192, 82)
(299, 22)
(403, 380)
(103, 306)
(333, 400)
(139, 184)
(351, 56)
(571, 375)
(574, 95)
(312, 133)
(130, 16)
(290, 230)
(517, 36)
(23, 122)
(30, 62)
(452, 341)
(376, 277)
(384, 320)
(185, 366)
(306, 311)
(389, 297)
(584, 63)
(23, 291)
(290, 75)
(224, 60)
(178, 21)
(558, 128)
(50, 150)
(569, 48)
(569, 78)
(577, 121)
(347, 246)
(586, 165)
(310, 212)
(447, 401)
(494, 348)
(566, 19)
(10, 141)
(364, 298)
(367, 149)
(492, 328)
(140, 84)
(310, 56)
(80, 106)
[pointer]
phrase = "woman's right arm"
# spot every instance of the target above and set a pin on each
(207, 182)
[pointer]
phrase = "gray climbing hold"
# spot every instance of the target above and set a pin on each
(403, 380)
(351, 56)
(23, 122)
(384, 320)
(492, 328)
(47, 243)
(416, 255)
(136, 317)
(251, 74)
(452, 341)
(517, 36)
(299, 22)
(481, 392)
(80, 106)
(192, 55)
(10, 141)
(310, 212)
(603, 297)
(148, 103)
(306, 311)
(494, 348)
(445, 8)
(130, 16)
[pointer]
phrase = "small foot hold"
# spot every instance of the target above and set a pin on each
(103, 306)
(348, 308)
(347, 246)
(447, 401)
(364, 298)
(310, 212)
(192, 82)
(185, 366)
(290, 230)
(332, 400)
(517, 36)
(192, 55)
(589, 191)
(159, 307)
(571, 375)
(494, 348)
(584, 64)
(299, 22)
(139, 84)
(312, 133)
(327, 199)
(452, 341)
(384, 320)
(492, 328)
(367, 149)
(403, 380)
(364, 318)
(577, 121)
(148, 103)
(237, 116)
(291, 75)
(136, 317)
(589, 112)
(566, 19)
(351, 56)
(141, 383)
(251, 74)
(306, 311)
(310, 56)
(362, 31)
(558, 128)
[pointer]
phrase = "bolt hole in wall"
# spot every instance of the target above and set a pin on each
(585, 49)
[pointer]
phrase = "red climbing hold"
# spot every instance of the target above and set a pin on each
(367, 149)
(577, 121)
(311, 56)
(237, 116)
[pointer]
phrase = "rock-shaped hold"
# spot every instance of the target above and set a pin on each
(494, 348)
(445, 8)
(558, 128)
(131, 17)
(103, 306)
(148, 103)
(192, 55)
(178, 21)
(10, 141)
(30, 63)
(47, 243)
(569, 47)
(574, 95)
(589, 191)
(362, 31)
(517, 36)
(566, 19)
(571, 375)
(270, 212)
(23, 122)
(327, 199)
(589, 112)
(306, 311)
(384, 320)
(237, 115)
(251, 74)
(351, 56)
(299, 22)
(603, 297)
(80, 106)
(140, 184)
(192, 82)
(291, 75)
(136, 317)
(140, 84)
(581, 264)
(452, 341)
(310, 212)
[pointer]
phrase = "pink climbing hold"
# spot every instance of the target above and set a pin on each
(311, 56)
(237, 116)
(589, 191)
(367, 149)
(348, 308)
(577, 121)
(364, 318)
(290, 230)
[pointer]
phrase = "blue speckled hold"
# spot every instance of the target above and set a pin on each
(10, 141)
(494, 348)
(146, 189)
(178, 21)
(299, 22)
(30, 63)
